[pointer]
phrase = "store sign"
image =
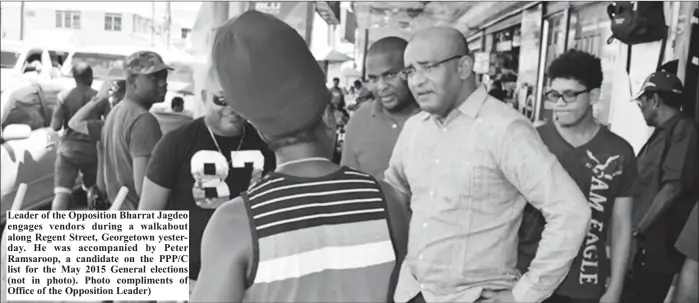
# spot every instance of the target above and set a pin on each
(273, 8)
(298, 15)
(329, 11)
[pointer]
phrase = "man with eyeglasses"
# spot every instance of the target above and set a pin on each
(604, 167)
(373, 130)
(467, 166)
(130, 132)
(667, 166)
(204, 163)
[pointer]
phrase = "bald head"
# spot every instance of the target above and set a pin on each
(82, 73)
(440, 69)
(442, 40)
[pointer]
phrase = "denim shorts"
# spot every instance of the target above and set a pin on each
(67, 169)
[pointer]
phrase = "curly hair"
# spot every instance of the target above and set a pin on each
(577, 65)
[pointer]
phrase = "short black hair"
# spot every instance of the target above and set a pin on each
(307, 134)
(577, 65)
(357, 83)
(177, 101)
(388, 45)
(336, 79)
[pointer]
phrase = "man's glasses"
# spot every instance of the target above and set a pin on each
(216, 98)
(567, 96)
(424, 68)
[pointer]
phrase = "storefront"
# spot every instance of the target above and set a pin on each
(583, 26)
(496, 52)
(535, 35)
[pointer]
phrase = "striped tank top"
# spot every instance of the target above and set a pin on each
(321, 239)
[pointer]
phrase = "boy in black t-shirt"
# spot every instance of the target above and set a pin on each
(204, 163)
(604, 167)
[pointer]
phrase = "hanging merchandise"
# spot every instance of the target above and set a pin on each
(481, 64)
(517, 36)
(637, 22)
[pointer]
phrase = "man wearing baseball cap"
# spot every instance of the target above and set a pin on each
(310, 231)
(130, 133)
(667, 171)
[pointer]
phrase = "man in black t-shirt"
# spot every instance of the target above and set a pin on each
(202, 164)
(604, 167)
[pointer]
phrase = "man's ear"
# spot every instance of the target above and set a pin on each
(465, 67)
(595, 95)
(656, 101)
(202, 94)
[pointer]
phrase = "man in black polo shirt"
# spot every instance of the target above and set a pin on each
(604, 167)
(667, 181)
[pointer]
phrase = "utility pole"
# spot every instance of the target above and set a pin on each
(168, 24)
(152, 29)
(21, 21)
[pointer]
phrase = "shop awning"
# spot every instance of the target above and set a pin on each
(331, 56)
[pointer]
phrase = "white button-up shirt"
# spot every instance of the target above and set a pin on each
(491, 162)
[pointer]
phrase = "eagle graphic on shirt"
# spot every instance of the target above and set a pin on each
(607, 169)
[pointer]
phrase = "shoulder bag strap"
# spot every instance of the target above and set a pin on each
(662, 50)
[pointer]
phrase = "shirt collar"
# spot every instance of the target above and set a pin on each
(474, 102)
(377, 109)
(469, 107)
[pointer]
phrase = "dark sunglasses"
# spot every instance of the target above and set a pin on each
(217, 98)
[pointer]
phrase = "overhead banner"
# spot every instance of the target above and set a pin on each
(297, 14)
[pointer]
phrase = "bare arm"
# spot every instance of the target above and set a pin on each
(621, 244)
(57, 119)
(79, 121)
(153, 196)
(349, 158)
(689, 275)
(145, 134)
(687, 283)
(139, 172)
(162, 171)
(549, 188)
(399, 220)
(226, 252)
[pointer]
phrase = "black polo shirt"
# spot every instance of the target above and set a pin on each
(678, 165)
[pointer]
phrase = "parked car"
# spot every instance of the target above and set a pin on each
(28, 146)
(19, 59)
(106, 62)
